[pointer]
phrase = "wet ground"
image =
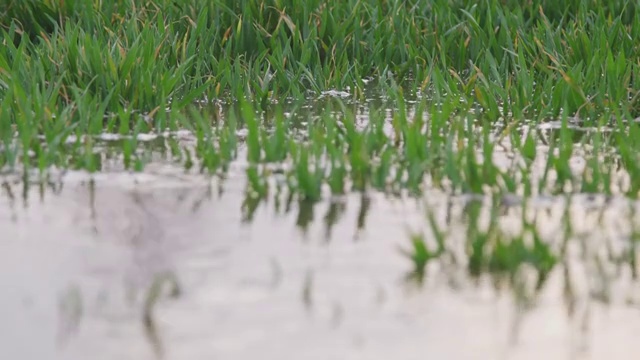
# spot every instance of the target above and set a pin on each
(166, 265)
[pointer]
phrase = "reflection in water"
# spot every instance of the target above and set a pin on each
(365, 202)
(154, 294)
(249, 207)
(585, 250)
(276, 271)
(70, 313)
(307, 291)
(159, 267)
(305, 214)
(8, 192)
(336, 210)
(134, 221)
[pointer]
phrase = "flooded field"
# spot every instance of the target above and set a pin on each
(277, 179)
(179, 265)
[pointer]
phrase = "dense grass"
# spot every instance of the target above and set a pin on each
(71, 70)
(480, 74)
(514, 60)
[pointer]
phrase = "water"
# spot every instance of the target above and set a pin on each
(173, 265)
(77, 266)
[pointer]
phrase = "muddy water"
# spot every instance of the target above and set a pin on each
(79, 260)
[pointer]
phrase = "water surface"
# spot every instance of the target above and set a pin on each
(176, 265)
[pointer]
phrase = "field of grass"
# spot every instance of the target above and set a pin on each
(492, 98)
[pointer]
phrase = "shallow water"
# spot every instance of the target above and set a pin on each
(78, 263)
(174, 265)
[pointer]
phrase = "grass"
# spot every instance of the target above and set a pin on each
(448, 88)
